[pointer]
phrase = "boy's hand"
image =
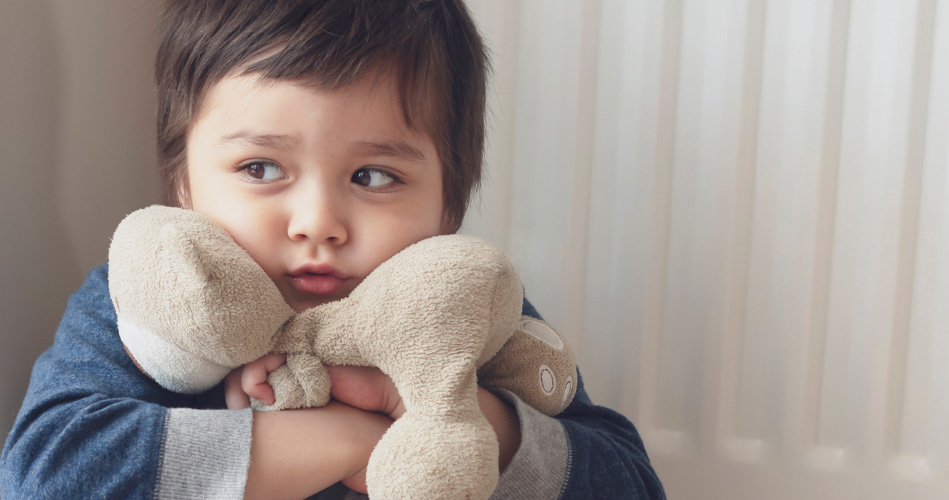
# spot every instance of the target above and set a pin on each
(358, 431)
(366, 388)
(250, 381)
(371, 390)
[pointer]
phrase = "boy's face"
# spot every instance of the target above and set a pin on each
(319, 187)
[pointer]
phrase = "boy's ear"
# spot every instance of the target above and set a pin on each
(186, 260)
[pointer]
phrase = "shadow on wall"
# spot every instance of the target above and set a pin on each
(36, 269)
(76, 113)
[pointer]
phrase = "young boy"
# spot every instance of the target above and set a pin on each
(325, 136)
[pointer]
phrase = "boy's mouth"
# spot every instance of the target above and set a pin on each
(317, 284)
(318, 280)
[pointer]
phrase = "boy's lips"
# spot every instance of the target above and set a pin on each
(318, 280)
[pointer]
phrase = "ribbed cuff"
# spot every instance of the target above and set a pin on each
(205, 454)
(539, 468)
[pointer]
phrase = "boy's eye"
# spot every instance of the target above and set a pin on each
(374, 178)
(262, 171)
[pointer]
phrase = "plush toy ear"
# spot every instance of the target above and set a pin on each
(185, 257)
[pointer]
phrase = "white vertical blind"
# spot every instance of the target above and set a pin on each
(736, 211)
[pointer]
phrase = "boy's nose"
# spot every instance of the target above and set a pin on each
(318, 219)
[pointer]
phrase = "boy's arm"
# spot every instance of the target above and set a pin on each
(369, 389)
(89, 426)
(92, 426)
(296, 453)
(293, 454)
(274, 473)
(587, 451)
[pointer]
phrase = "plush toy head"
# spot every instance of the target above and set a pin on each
(192, 306)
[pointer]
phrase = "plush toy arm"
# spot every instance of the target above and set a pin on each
(537, 365)
(301, 383)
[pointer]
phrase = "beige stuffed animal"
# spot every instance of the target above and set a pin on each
(192, 305)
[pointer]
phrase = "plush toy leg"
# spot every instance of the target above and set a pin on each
(537, 364)
(435, 451)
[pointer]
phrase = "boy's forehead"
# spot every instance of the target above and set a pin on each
(245, 109)
(372, 92)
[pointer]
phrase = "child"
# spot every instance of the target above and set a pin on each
(325, 136)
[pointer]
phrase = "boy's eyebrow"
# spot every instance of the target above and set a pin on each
(396, 149)
(270, 141)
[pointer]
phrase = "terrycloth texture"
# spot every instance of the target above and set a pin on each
(428, 317)
(65, 444)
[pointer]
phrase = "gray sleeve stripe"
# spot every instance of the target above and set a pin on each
(539, 468)
(205, 454)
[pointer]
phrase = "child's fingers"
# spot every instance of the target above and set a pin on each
(254, 377)
(261, 392)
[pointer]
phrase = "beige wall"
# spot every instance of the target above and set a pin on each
(76, 154)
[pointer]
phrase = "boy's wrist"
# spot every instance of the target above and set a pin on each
(295, 453)
(507, 426)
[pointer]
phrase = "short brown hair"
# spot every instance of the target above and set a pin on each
(431, 47)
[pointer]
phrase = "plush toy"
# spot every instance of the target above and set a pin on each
(192, 305)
